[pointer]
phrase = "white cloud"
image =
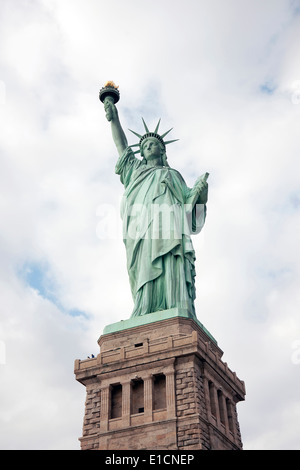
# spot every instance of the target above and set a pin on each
(225, 76)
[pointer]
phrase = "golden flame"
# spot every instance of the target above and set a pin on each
(111, 84)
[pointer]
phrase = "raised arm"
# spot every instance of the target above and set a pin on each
(112, 116)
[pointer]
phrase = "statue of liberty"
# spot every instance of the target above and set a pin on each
(160, 213)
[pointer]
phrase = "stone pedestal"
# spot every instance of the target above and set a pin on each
(159, 385)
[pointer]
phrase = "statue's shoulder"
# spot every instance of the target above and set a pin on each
(128, 167)
(177, 174)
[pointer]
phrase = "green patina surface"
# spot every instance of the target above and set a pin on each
(160, 214)
(152, 318)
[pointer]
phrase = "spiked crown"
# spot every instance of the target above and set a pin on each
(155, 134)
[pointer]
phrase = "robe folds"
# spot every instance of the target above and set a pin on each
(159, 214)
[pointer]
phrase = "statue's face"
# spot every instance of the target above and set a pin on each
(151, 149)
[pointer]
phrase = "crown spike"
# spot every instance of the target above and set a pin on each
(145, 126)
(170, 141)
(151, 134)
(138, 135)
(157, 126)
(164, 135)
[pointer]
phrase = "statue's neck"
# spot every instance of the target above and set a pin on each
(154, 162)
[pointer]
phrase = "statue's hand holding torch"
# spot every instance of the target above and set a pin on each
(110, 109)
(109, 95)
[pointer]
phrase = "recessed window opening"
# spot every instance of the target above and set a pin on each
(159, 392)
(221, 407)
(116, 401)
(137, 396)
(229, 414)
(212, 398)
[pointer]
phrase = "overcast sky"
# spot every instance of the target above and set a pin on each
(226, 75)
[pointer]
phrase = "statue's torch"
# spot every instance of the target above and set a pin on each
(111, 93)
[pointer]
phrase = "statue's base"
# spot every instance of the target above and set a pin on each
(159, 385)
(152, 318)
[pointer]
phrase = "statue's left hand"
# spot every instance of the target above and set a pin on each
(201, 187)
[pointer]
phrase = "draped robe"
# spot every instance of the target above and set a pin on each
(159, 213)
